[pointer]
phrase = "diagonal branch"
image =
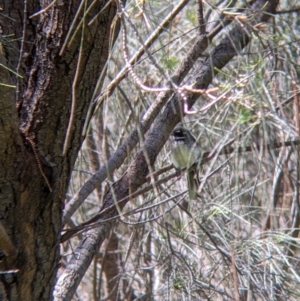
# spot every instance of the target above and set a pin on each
(137, 172)
(120, 155)
(127, 146)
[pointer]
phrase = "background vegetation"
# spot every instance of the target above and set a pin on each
(91, 93)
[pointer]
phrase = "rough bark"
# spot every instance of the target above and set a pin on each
(136, 174)
(34, 173)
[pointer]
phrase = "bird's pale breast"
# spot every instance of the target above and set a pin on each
(183, 156)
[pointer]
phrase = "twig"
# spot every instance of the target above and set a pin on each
(74, 86)
(21, 49)
(33, 145)
(43, 10)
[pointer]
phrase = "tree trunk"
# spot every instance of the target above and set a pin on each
(50, 104)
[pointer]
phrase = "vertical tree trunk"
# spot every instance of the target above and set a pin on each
(34, 172)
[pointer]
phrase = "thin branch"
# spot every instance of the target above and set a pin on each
(21, 49)
(148, 43)
(74, 87)
(43, 10)
(293, 10)
(201, 21)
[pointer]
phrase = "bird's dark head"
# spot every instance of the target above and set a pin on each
(179, 133)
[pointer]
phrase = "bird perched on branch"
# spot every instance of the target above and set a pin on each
(185, 152)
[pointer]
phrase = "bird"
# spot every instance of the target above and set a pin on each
(185, 152)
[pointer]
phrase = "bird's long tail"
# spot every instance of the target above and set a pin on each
(193, 183)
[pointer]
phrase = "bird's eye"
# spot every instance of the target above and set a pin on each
(178, 133)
